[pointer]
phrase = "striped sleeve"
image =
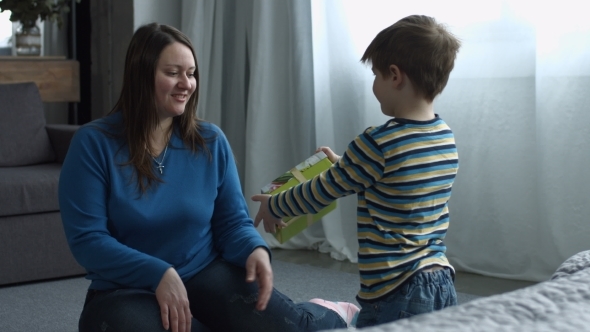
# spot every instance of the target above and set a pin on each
(360, 167)
(403, 219)
(402, 173)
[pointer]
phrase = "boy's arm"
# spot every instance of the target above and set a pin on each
(361, 166)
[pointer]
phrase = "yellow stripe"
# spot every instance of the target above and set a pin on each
(418, 161)
(391, 263)
(403, 232)
(415, 191)
(361, 164)
(315, 192)
(400, 134)
(327, 185)
(408, 147)
(397, 134)
(393, 220)
(422, 175)
(409, 205)
(300, 201)
(367, 150)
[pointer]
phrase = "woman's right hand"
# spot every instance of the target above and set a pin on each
(331, 155)
(173, 301)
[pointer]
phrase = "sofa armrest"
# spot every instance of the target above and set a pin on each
(60, 136)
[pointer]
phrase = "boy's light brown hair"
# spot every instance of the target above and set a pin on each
(420, 47)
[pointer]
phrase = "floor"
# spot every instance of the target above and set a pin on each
(468, 283)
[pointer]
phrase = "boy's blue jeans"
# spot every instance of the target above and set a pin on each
(424, 292)
(219, 298)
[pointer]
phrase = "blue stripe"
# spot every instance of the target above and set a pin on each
(432, 182)
(387, 210)
(285, 201)
(385, 215)
(364, 258)
(359, 171)
(338, 187)
(428, 167)
(374, 229)
(422, 152)
(404, 199)
(374, 165)
(417, 137)
(340, 190)
(390, 248)
(309, 206)
(373, 244)
(370, 142)
(443, 218)
(293, 203)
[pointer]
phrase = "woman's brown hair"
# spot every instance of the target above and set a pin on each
(137, 101)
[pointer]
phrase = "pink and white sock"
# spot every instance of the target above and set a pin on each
(348, 311)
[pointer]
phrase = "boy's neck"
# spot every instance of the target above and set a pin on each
(417, 109)
(409, 103)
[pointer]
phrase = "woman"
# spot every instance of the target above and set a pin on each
(152, 208)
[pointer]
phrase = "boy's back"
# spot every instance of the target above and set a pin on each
(403, 173)
(403, 216)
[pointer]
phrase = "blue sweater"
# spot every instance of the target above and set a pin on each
(128, 240)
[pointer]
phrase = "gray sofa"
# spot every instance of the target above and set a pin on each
(32, 241)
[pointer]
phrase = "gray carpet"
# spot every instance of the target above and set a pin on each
(54, 306)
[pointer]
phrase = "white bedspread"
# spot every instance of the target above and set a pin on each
(561, 304)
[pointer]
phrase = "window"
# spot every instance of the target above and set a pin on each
(5, 33)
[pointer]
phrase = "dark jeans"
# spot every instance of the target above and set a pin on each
(220, 300)
(424, 292)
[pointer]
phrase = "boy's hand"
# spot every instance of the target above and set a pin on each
(331, 155)
(264, 214)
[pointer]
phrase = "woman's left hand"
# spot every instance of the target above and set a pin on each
(258, 269)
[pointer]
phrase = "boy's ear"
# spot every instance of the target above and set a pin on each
(395, 74)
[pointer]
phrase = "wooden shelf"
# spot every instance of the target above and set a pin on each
(32, 58)
(57, 78)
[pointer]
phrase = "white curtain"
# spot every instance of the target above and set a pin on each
(518, 102)
(256, 68)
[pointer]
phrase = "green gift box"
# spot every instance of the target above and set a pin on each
(306, 170)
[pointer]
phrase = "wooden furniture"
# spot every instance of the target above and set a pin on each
(57, 78)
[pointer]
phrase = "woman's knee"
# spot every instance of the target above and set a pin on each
(121, 310)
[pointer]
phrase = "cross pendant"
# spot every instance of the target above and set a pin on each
(159, 167)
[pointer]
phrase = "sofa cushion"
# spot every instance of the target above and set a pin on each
(29, 189)
(24, 140)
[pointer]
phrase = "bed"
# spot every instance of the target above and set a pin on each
(559, 304)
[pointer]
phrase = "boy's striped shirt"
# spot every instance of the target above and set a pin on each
(402, 172)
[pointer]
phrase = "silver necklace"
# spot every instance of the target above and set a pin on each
(160, 167)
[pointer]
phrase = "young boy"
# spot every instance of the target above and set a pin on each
(402, 172)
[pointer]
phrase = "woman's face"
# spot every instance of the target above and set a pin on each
(175, 81)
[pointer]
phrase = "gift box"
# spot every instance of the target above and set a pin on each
(306, 170)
